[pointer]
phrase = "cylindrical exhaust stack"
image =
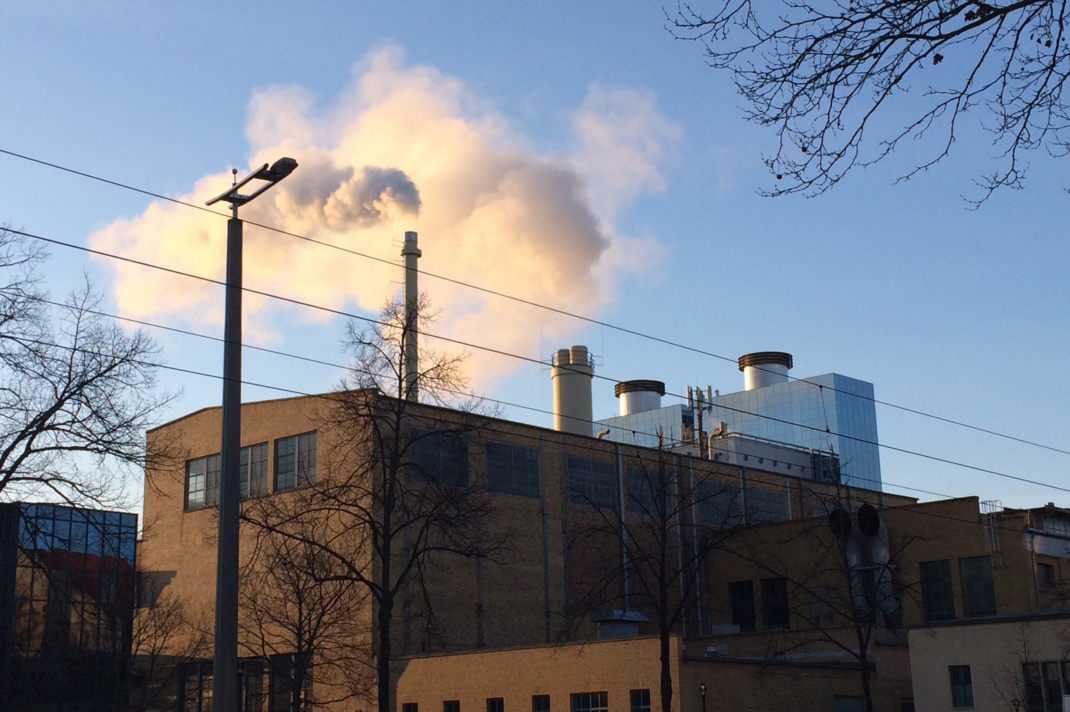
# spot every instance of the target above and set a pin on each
(410, 365)
(764, 368)
(571, 373)
(639, 396)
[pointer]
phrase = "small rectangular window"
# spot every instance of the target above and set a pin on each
(640, 700)
(495, 704)
(540, 703)
(741, 601)
(775, 611)
(512, 469)
(410, 707)
(451, 706)
(961, 685)
(589, 702)
(1045, 575)
(295, 461)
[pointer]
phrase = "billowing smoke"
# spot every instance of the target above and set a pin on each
(408, 148)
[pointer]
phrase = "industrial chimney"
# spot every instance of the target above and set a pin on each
(571, 372)
(764, 368)
(639, 396)
(410, 364)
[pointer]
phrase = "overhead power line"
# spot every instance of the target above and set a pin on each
(520, 300)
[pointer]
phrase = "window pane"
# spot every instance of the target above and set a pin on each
(512, 469)
(775, 613)
(741, 600)
(978, 591)
(540, 703)
(592, 482)
(439, 458)
(961, 686)
(640, 700)
(295, 461)
(937, 599)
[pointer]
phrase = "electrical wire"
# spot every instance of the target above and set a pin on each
(555, 310)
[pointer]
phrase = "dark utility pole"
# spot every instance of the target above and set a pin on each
(225, 697)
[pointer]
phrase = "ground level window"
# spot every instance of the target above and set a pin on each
(540, 703)
(961, 685)
(495, 704)
(1045, 685)
(589, 702)
(451, 706)
(640, 700)
(410, 707)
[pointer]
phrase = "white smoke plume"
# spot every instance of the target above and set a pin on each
(409, 148)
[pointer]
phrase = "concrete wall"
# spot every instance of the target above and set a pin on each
(993, 650)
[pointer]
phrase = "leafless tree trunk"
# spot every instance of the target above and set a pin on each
(397, 492)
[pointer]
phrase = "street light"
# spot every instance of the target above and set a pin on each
(702, 694)
(225, 659)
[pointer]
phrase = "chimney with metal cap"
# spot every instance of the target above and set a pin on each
(764, 368)
(572, 372)
(639, 396)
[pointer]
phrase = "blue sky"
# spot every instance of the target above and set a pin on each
(573, 154)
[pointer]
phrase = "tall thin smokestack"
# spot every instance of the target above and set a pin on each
(411, 366)
(572, 372)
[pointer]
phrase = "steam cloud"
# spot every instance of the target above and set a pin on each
(408, 148)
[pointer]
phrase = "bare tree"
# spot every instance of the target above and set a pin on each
(670, 522)
(831, 77)
(76, 391)
(164, 635)
(396, 495)
(833, 576)
(298, 614)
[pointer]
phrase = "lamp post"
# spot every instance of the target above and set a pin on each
(225, 659)
(702, 694)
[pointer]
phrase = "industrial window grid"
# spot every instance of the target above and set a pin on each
(718, 504)
(202, 476)
(512, 469)
(295, 461)
(1045, 685)
(439, 457)
(589, 702)
(592, 482)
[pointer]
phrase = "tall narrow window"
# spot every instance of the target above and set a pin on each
(295, 461)
(254, 470)
(775, 612)
(741, 601)
(937, 599)
(540, 703)
(978, 590)
(961, 685)
(202, 481)
(640, 700)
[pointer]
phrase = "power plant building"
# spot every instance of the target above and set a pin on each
(831, 415)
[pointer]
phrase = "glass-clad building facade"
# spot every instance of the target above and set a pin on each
(823, 413)
(67, 588)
